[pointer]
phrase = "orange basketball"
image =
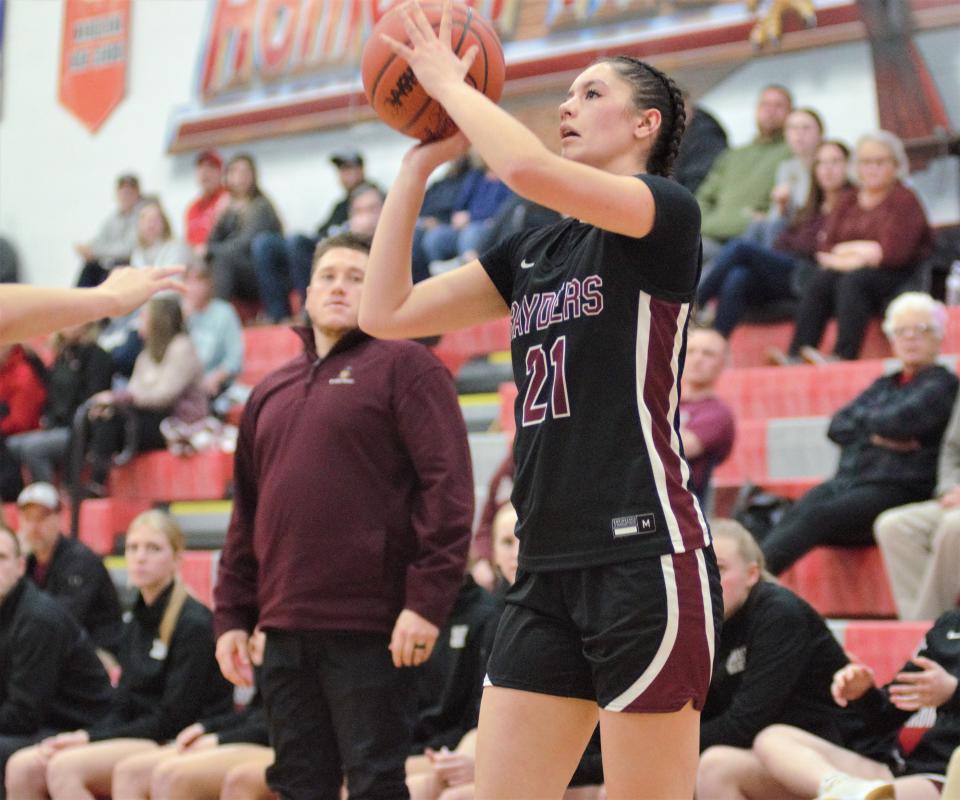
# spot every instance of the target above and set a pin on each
(393, 89)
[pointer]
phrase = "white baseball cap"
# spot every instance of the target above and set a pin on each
(40, 494)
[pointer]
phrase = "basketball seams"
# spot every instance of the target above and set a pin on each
(393, 92)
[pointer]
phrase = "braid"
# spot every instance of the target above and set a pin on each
(653, 88)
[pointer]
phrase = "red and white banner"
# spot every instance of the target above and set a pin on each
(93, 58)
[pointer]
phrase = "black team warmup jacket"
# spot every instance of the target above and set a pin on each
(353, 493)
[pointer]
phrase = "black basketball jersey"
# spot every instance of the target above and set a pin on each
(598, 334)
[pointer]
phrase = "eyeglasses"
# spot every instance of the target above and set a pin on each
(903, 331)
(874, 162)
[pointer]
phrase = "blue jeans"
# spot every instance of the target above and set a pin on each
(745, 274)
(281, 265)
(445, 241)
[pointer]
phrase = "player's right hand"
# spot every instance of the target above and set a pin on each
(851, 683)
(233, 656)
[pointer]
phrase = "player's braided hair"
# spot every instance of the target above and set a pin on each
(655, 89)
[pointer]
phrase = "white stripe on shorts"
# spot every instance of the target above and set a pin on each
(707, 606)
(666, 644)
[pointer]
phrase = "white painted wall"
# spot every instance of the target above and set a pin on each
(56, 180)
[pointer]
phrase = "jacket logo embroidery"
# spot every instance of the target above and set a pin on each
(458, 636)
(737, 660)
(345, 376)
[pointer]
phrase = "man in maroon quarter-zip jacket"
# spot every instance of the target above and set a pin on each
(348, 541)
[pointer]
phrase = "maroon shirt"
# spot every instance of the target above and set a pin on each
(354, 493)
(712, 422)
(898, 224)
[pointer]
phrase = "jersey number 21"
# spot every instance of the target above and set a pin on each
(540, 381)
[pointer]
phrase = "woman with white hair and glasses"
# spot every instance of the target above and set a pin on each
(889, 438)
(875, 236)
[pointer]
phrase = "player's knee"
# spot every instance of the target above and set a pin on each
(164, 780)
(25, 774)
(129, 779)
(714, 773)
(771, 739)
(243, 783)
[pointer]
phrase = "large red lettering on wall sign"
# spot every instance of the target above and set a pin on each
(93, 58)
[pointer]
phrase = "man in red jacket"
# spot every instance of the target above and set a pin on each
(348, 540)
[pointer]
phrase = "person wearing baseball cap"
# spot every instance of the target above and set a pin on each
(203, 212)
(66, 568)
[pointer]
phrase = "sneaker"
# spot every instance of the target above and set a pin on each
(840, 786)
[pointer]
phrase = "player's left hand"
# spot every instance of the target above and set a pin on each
(430, 55)
(931, 687)
(412, 640)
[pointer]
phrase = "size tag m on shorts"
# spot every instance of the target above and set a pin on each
(634, 525)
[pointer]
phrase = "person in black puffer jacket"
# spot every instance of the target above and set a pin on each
(889, 438)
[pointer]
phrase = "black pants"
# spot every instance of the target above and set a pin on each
(336, 707)
(107, 436)
(834, 513)
(852, 297)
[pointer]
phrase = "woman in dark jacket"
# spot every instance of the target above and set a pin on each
(169, 677)
(80, 369)
(774, 663)
(228, 248)
(889, 438)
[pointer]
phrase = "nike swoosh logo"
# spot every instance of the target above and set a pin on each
(953, 634)
(527, 264)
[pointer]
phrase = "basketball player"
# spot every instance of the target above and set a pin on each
(28, 311)
(616, 603)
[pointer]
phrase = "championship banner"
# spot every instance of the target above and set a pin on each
(93, 58)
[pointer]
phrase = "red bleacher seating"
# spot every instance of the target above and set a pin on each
(198, 569)
(101, 520)
(843, 582)
(266, 348)
(749, 343)
(159, 476)
(457, 347)
(885, 647)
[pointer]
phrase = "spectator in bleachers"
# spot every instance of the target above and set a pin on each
(117, 237)
(920, 542)
(67, 569)
(351, 570)
(80, 369)
(195, 764)
(23, 393)
(166, 382)
(169, 677)
(156, 244)
(202, 214)
(707, 426)
(774, 663)
(737, 189)
(438, 206)
(870, 247)
(50, 677)
(889, 438)
(747, 274)
(481, 196)
(282, 265)
(214, 329)
(350, 173)
(874, 766)
(228, 248)
(803, 133)
(703, 141)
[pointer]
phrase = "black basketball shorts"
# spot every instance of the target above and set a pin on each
(634, 636)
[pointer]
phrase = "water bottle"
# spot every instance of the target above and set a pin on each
(953, 284)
